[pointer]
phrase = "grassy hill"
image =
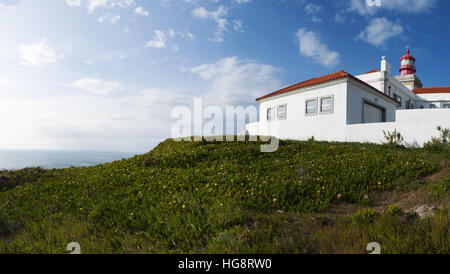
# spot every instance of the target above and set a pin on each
(228, 197)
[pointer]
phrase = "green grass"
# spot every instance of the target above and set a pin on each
(221, 197)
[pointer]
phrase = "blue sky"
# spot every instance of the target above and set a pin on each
(105, 74)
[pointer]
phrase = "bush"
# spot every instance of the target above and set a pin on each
(394, 138)
(365, 216)
(440, 189)
(439, 144)
(394, 210)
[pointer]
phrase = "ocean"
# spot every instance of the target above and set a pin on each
(48, 159)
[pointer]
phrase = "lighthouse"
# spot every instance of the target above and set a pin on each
(407, 64)
(408, 72)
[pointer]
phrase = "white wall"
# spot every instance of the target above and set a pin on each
(356, 93)
(417, 126)
(382, 80)
(437, 99)
(297, 124)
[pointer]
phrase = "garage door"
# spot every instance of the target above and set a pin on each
(372, 114)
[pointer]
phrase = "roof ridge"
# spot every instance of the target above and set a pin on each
(432, 90)
(310, 82)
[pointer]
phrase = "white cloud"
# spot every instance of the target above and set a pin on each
(159, 40)
(73, 3)
(312, 47)
(92, 5)
(97, 86)
(39, 53)
(312, 8)
(109, 17)
(84, 121)
(218, 16)
(237, 82)
(141, 11)
(379, 31)
(399, 6)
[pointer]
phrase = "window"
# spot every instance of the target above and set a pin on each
(432, 106)
(326, 104)
(281, 112)
(311, 107)
(398, 99)
(270, 115)
(446, 106)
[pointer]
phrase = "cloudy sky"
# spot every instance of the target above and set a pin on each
(105, 74)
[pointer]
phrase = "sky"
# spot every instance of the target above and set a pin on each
(106, 74)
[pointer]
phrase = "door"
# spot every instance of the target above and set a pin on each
(372, 114)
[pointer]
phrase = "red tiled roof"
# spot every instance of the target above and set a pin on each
(307, 83)
(432, 90)
(319, 80)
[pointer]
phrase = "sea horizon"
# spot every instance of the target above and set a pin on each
(13, 159)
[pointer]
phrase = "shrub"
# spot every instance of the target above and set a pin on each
(394, 138)
(434, 145)
(365, 216)
(439, 144)
(394, 210)
(440, 189)
(445, 135)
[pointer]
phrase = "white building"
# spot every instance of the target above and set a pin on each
(343, 107)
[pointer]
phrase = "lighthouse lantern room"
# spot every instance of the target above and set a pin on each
(408, 64)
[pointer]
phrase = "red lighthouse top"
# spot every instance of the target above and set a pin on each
(408, 64)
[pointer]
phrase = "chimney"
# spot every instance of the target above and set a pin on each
(385, 65)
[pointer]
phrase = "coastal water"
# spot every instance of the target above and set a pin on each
(17, 159)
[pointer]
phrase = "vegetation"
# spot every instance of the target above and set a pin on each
(394, 138)
(365, 216)
(395, 210)
(225, 197)
(440, 144)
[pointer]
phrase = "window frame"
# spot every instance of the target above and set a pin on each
(285, 111)
(331, 111)
(315, 99)
(267, 114)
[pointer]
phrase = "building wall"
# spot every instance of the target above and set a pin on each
(356, 94)
(299, 125)
(383, 80)
(440, 100)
